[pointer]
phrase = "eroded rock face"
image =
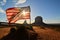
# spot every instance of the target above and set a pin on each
(38, 19)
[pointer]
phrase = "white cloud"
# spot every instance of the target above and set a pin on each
(20, 2)
(3, 2)
(1, 10)
(16, 6)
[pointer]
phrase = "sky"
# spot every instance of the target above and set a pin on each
(49, 10)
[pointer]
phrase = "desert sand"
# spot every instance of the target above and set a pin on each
(43, 34)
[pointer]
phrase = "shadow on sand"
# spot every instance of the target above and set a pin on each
(20, 34)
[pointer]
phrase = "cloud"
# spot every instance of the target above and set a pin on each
(3, 2)
(20, 2)
(16, 6)
(1, 10)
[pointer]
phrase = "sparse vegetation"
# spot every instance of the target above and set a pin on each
(43, 33)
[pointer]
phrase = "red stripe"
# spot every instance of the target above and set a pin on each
(8, 14)
(27, 16)
(13, 21)
(9, 17)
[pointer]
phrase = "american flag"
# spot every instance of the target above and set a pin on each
(18, 13)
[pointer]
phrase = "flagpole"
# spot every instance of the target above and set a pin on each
(30, 22)
(30, 19)
(30, 15)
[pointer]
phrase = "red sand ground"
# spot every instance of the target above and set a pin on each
(4, 31)
(47, 34)
(43, 34)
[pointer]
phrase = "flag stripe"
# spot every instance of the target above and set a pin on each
(14, 14)
(11, 13)
(9, 17)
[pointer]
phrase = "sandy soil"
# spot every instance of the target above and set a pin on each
(4, 32)
(43, 34)
(47, 34)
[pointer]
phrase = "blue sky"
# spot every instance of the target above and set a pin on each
(48, 9)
